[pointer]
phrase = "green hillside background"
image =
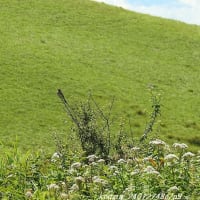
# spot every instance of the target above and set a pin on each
(82, 46)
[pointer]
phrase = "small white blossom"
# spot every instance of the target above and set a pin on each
(63, 185)
(74, 188)
(121, 161)
(157, 142)
(64, 196)
(79, 180)
(180, 146)
(93, 163)
(76, 165)
(146, 159)
(98, 180)
(52, 186)
(95, 177)
(135, 172)
(171, 157)
(101, 161)
(188, 155)
(72, 171)
(135, 149)
(113, 168)
(10, 176)
(173, 189)
(92, 158)
(116, 173)
(29, 194)
(151, 170)
(55, 157)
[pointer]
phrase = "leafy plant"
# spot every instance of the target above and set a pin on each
(92, 125)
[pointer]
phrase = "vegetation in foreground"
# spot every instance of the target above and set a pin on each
(149, 170)
(102, 167)
(84, 46)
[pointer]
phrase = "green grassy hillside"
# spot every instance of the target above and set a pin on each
(81, 46)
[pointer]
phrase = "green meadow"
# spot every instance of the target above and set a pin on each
(85, 47)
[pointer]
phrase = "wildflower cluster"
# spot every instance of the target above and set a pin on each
(158, 169)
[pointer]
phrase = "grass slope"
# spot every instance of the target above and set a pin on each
(79, 45)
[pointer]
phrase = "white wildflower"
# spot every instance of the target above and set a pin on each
(76, 165)
(135, 172)
(188, 155)
(135, 149)
(55, 157)
(180, 146)
(157, 142)
(93, 163)
(29, 194)
(52, 186)
(146, 159)
(98, 180)
(95, 177)
(173, 189)
(79, 180)
(113, 168)
(74, 188)
(63, 185)
(171, 157)
(72, 171)
(121, 161)
(92, 158)
(101, 161)
(10, 176)
(64, 196)
(151, 170)
(116, 173)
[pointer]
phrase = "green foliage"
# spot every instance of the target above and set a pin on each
(146, 172)
(92, 126)
(156, 111)
(80, 45)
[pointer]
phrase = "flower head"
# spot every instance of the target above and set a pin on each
(180, 146)
(79, 180)
(171, 157)
(135, 172)
(101, 161)
(134, 149)
(121, 161)
(29, 194)
(98, 180)
(157, 142)
(188, 156)
(113, 168)
(151, 170)
(93, 164)
(64, 196)
(92, 158)
(53, 186)
(173, 189)
(55, 157)
(76, 165)
(74, 187)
